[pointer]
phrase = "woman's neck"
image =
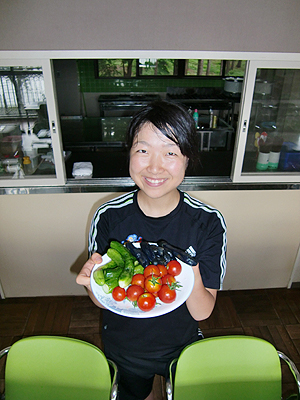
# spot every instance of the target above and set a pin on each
(158, 207)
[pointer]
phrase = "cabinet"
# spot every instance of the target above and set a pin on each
(268, 146)
(30, 143)
(259, 140)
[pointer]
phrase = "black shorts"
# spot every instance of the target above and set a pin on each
(136, 374)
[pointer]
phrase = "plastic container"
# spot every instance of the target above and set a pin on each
(273, 160)
(9, 145)
(262, 161)
(289, 157)
(82, 170)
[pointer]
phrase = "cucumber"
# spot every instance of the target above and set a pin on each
(110, 273)
(115, 256)
(110, 284)
(127, 274)
(99, 276)
(121, 249)
(110, 264)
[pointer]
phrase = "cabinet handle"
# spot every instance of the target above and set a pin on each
(53, 127)
(244, 126)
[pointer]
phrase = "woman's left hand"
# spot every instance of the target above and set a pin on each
(202, 300)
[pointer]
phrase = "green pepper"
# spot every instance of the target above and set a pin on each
(138, 269)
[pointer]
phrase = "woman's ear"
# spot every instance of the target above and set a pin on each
(187, 163)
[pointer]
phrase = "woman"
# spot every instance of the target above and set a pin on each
(162, 142)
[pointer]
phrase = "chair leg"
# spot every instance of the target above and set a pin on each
(294, 371)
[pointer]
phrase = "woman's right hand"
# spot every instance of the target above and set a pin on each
(84, 276)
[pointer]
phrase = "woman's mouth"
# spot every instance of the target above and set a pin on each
(155, 182)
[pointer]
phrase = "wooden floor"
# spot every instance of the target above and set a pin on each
(271, 314)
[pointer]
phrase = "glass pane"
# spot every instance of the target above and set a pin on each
(203, 67)
(157, 67)
(25, 139)
(116, 68)
(273, 141)
(235, 67)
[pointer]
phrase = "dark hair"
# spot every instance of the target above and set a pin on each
(173, 121)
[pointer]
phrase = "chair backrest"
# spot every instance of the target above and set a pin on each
(231, 367)
(56, 368)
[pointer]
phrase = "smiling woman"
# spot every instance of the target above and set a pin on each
(161, 139)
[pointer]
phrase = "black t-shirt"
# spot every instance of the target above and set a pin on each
(192, 226)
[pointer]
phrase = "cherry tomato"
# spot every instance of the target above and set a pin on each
(138, 279)
(174, 267)
(166, 294)
(153, 283)
(151, 269)
(133, 292)
(168, 279)
(146, 301)
(118, 293)
(162, 270)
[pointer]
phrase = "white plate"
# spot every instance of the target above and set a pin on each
(126, 308)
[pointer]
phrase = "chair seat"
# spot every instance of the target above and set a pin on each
(227, 368)
(53, 367)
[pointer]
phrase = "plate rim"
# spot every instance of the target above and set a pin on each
(139, 313)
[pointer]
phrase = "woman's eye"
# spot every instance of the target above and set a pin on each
(170, 153)
(141, 151)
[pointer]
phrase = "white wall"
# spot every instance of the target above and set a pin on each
(234, 25)
(43, 237)
(43, 240)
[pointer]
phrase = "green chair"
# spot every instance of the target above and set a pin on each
(228, 368)
(58, 368)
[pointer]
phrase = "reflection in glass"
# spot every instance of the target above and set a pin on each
(273, 141)
(25, 139)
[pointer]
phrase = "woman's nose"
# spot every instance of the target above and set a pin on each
(155, 164)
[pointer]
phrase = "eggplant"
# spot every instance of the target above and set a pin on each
(148, 250)
(138, 254)
(178, 253)
(168, 256)
(159, 260)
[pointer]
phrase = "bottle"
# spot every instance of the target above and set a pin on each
(263, 154)
(275, 152)
(215, 122)
(27, 166)
(196, 117)
(211, 117)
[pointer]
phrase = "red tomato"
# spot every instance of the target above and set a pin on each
(166, 294)
(118, 293)
(146, 301)
(153, 283)
(151, 269)
(162, 270)
(168, 279)
(138, 279)
(174, 267)
(133, 292)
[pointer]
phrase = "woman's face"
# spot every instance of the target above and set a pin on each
(157, 165)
